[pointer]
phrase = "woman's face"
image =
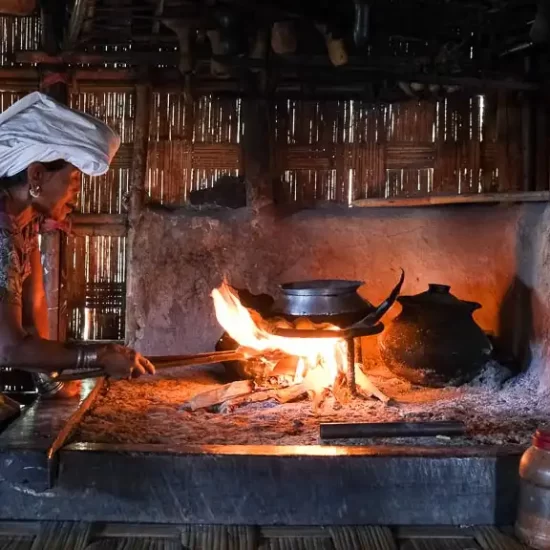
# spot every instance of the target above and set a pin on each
(56, 191)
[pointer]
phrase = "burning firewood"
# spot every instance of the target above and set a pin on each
(286, 395)
(365, 386)
(219, 395)
(231, 404)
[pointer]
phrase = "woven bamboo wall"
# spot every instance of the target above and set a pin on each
(105, 194)
(94, 267)
(191, 146)
(95, 287)
(18, 33)
(341, 151)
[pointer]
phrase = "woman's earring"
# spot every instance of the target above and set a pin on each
(35, 192)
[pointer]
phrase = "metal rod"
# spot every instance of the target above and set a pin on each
(164, 362)
(391, 429)
(351, 366)
(343, 334)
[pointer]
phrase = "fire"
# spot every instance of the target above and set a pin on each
(320, 359)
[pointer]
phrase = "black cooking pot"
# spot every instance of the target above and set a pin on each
(434, 341)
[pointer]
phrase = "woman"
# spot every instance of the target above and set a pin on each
(44, 147)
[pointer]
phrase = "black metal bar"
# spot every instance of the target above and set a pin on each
(391, 429)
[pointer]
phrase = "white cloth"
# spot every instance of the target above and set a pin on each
(39, 129)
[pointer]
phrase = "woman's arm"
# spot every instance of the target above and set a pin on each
(20, 348)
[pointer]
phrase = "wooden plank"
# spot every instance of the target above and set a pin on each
(439, 544)
(60, 535)
(134, 544)
(90, 230)
(19, 528)
(133, 530)
(434, 531)
(219, 537)
(490, 538)
(297, 543)
(303, 532)
(72, 423)
(438, 200)
(363, 538)
(99, 219)
(15, 543)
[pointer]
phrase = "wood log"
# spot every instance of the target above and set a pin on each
(291, 393)
(214, 397)
(231, 404)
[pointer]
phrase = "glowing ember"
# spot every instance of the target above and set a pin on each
(321, 359)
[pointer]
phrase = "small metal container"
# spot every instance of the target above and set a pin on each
(533, 520)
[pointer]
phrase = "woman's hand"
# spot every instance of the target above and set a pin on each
(121, 362)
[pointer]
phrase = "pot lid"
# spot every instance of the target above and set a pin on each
(438, 294)
(321, 287)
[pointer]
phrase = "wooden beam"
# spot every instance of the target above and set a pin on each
(108, 225)
(355, 70)
(99, 219)
(137, 199)
(441, 200)
(256, 148)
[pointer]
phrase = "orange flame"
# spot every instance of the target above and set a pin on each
(320, 358)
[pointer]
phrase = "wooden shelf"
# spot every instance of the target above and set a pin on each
(441, 200)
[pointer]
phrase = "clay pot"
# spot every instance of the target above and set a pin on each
(434, 341)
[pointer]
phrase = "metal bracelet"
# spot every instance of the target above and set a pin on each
(87, 359)
(46, 385)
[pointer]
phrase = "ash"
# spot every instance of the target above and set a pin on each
(496, 409)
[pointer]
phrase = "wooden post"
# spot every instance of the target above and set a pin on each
(256, 145)
(136, 200)
(54, 84)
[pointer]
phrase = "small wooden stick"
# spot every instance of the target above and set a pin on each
(216, 396)
(364, 383)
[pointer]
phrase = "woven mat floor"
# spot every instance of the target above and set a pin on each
(91, 536)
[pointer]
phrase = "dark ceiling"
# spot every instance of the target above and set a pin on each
(332, 44)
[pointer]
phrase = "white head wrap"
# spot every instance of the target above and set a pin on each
(39, 129)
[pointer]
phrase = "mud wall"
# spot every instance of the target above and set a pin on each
(489, 254)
